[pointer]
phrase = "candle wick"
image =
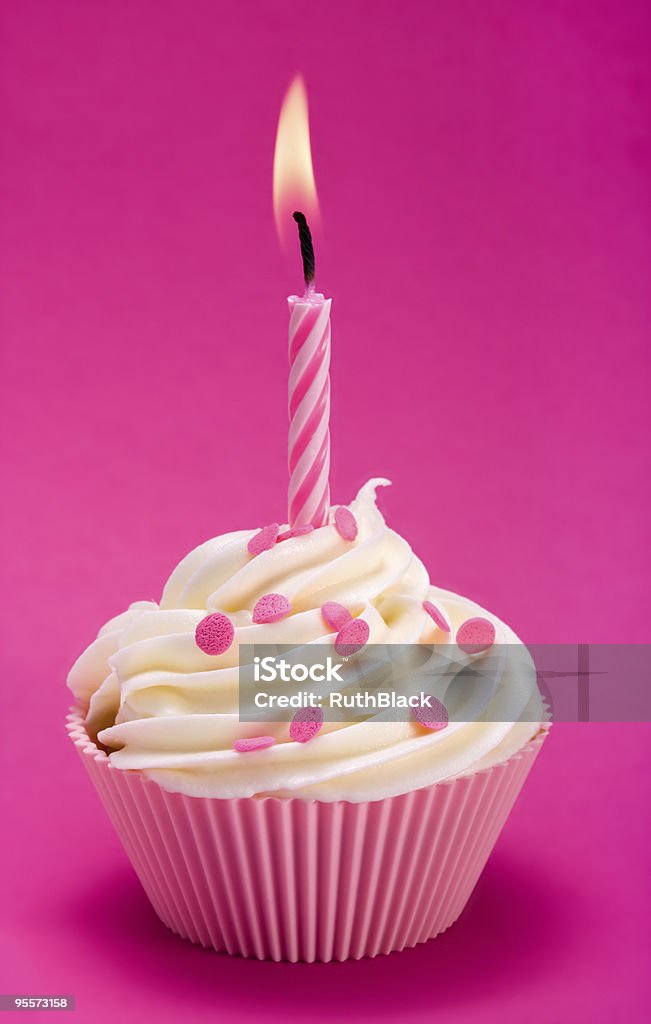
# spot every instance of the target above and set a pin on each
(307, 249)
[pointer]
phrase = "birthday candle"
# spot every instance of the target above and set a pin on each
(309, 321)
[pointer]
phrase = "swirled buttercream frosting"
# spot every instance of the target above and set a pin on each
(161, 704)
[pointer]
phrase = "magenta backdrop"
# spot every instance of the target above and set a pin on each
(484, 178)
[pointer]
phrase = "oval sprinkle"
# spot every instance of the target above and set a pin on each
(300, 531)
(214, 634)
(297, 531)
(254, 743)
(345, 523)
(438, 616)
(351, 637)
(271, 608)
(264, 540)
(335, 615)
(305, 724)
(475, 635)
(434, 717)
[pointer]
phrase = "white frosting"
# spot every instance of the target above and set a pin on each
(164, 707)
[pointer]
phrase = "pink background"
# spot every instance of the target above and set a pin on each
(484, 178)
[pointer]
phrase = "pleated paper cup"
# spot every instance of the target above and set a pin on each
(291, 879)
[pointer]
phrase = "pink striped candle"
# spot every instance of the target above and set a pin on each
(309, 409)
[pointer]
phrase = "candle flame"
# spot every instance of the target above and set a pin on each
(294, 187)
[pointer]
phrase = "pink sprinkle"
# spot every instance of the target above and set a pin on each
(271, 608)
(335, 615)
(305, 724)
(437, 615)
(475, 635)
(214, 634)
(254, 743)
(264, 540)
(351, 637)
(345, 523)
(297, 531)
(434, 717)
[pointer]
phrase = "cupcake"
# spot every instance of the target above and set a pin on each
(305, 839)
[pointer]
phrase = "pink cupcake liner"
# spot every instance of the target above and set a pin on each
(291, 879)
